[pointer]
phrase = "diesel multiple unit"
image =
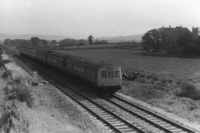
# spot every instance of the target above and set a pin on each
(104, 77)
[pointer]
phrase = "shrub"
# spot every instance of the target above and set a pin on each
(1, 64)
(24, 95)
(15, 90)
(142, 75)
(6, 61)
(141, 80)
(152, 76)
(164, 81)
(6, 122)
(6, 74)
(188, 90)
(10, 119)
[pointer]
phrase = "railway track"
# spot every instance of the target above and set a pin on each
(148, 116)
(116, 123)
(112, 120)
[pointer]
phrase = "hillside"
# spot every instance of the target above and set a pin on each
(28, 36)
(129, 38)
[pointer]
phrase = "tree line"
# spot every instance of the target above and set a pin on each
(156, 41)
(37, 42)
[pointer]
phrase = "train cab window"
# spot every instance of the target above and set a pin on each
(110, 74)
(117, 74)
(103, 74)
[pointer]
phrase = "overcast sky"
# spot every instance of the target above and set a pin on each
(100, 18)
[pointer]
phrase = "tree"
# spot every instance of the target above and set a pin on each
(101, 42)
(184, 39)
(68, 42)
(35, 41)
(154, 41)
(45, 42)
(197, 41)
(9, 42)
(53, 43)
(83, 42)
(23, 43)
(90, 39)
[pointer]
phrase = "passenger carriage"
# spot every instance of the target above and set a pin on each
(41, 55)
(56, 60)
(104, 76)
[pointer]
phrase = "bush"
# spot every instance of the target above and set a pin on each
(6, 61)
(6, 122)
(141, 80)
(6, 74)
(16, 90)
(10, 120)
(152, 76)
(23, 94)
(1, 64)
(188, 90)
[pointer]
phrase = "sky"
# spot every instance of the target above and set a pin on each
(100, 18)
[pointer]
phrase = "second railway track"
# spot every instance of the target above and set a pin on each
(114, 121)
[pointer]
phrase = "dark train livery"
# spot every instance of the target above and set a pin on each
(105, 77)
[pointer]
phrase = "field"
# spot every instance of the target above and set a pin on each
(130, 60)
(160, 78)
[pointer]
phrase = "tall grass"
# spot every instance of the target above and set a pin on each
(188, 90)
(15, 90)
(6, 74)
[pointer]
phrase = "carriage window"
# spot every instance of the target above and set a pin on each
(110, 74)
(93, 72)
(117, 74)
(103, 74)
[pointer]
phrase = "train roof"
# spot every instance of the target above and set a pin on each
(84, 60)
(89, 61)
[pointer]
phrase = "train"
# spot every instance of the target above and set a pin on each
(104, 77)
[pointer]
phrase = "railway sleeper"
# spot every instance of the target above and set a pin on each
(107, 116)
(171, 128)
(116, 123)
(122, 127)
(178, 131)
(113, 121)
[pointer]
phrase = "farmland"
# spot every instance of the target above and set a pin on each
(132, 60)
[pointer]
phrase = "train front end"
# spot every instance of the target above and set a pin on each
(109, 79)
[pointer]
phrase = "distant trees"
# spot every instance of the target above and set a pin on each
(83, 42)
(184, 39)
(45, 42)
(53, 43)
(68, 42)
(35, 41)
(72, 42)
(17, 42)
(101, 42)
(154, 41)
(9, 42)
(90, 39)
